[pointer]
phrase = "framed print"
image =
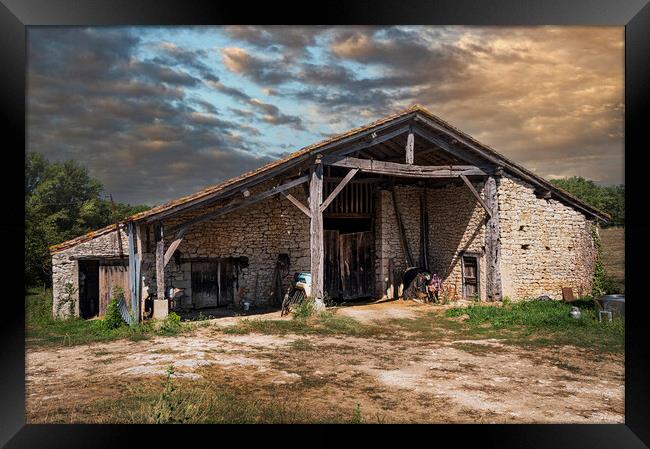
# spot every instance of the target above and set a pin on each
(404, 214)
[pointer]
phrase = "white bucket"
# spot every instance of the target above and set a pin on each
(246, 306)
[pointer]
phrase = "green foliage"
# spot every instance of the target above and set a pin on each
(171, 325)
(61, 202)
(550, 318)
(598, 282)
(610, 199)
(168, 407)
(43, 330)
(356, 417)
(304, 309)
(113, 318)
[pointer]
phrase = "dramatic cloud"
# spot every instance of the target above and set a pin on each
(159, 113)
(126, 119)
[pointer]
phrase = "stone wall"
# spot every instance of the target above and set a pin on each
(545, 244)
(259, 232)
(456, 225)
(65, 267)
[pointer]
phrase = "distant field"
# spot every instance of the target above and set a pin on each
(613, 244)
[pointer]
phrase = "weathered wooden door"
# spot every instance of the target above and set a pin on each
(113, 274)
(470, 277)
(332, 284)
(205, 284)
(226, 283)
(356, 264)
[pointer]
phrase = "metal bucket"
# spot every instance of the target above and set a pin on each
(614, 304)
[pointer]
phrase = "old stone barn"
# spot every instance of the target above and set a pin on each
(355, 210)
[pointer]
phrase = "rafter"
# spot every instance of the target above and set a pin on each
(403, 170)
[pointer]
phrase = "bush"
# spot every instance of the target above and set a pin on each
(611, 286)
(113, 318)
(171, 325)
(304, 309)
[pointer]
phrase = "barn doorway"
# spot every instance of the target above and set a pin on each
(88, 288)
(98, 279)
(348, 239)
(213, 283)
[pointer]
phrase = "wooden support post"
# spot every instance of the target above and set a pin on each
(402, 231)
(160, 307)
(140, 248)
(316, 232)
(492, 243)
(410, 144)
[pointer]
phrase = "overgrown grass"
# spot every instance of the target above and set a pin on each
(43, 330)
(542, 323)
(205, 401)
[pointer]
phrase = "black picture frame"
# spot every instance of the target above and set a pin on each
(15, 15)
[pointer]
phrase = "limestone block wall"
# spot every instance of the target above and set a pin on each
(259, 232)
(545, 244)
(456, 225)
(65, 267)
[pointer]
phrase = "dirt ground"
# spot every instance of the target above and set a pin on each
(399, 380)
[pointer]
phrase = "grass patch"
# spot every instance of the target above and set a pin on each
(543, 323)
(176, 400)
(43, 330)
(325, 323)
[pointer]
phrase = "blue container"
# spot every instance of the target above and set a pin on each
(304, 277)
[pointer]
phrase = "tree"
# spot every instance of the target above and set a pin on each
(62, 201)
(610, 199)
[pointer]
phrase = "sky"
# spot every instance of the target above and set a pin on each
(156, 113)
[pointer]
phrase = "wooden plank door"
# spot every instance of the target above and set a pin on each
(205, 285)
(356, 264)
(226, 283)
(113, 274)
(470, 276)
(332, 284)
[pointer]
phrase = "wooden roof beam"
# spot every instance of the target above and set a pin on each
(249, 201)
(403, 170)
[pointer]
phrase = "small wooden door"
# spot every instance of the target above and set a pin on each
(356, 264)
(226, 280)
(113, 274)
(205, 284)
(470, 276)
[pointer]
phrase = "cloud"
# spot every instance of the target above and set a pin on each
(128, 120)
(293, 41)
(266, 112)
(135, 110)
(261, 70)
